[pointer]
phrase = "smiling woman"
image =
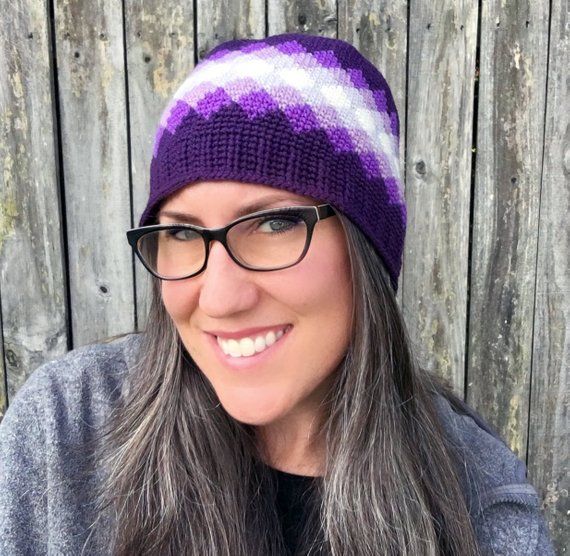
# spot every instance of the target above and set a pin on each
(222, 313)
(273, 405)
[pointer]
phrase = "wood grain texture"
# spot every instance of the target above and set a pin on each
(31, 262)
(3, 396)
(90, 57)
(225, 19)
(160, 55)
(505, 213)
(378, 29)
(302, 16)
(441, 71)
(549, 437)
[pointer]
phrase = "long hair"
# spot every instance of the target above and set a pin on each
(185, 478)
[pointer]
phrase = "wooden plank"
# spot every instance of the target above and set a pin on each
(379, 30)
(441, 70)
(90, 56)
(314, 18)
(223, 20)
(31, 262)
(505, 220)
(548, 452)
(3, 397)
(160, 54)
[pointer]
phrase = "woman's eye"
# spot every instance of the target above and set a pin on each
(182, 235)
(276, 225)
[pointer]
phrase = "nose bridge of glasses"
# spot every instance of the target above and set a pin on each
(219, 235)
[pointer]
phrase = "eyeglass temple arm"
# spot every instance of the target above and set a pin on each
(324, 211)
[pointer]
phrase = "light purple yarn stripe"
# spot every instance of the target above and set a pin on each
(207, 98)
(304, 62)
(333, 73)
(296, 51)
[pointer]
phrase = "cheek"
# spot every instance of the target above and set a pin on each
(319, 290)
(179, 298)
(331, 288)
(325, 279)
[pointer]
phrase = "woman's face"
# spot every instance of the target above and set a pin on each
(310, 302)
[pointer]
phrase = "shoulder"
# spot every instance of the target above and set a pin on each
(504, 506)
(483, 450)
(89, 377)
(94, 364)
(48, 480)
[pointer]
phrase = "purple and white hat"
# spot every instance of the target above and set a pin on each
(304, 113)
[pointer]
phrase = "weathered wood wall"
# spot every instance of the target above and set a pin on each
(483, 96)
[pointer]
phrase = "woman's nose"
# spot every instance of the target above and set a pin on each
(226, 288)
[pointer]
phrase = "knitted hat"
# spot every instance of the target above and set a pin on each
(304, 113)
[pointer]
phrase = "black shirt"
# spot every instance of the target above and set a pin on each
(294, 497)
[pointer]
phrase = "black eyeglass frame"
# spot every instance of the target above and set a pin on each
(310, 215)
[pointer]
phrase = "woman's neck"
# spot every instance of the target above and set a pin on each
(293, 447)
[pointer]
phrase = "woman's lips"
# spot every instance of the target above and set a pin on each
(246, 362)
(247, 332)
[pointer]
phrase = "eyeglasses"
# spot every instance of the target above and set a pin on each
(270, 239)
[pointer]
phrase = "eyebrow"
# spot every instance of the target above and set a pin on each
(261, 204)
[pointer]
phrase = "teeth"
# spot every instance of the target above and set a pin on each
(249, 346)
(260, 344)
(270, 338)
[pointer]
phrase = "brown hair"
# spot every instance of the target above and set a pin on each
(186, 478)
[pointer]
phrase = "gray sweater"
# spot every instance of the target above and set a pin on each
(47, 498)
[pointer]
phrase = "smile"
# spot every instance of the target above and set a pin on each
(248, 346)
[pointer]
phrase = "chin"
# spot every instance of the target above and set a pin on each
(256, 412)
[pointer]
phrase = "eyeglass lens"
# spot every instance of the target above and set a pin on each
(266, 242)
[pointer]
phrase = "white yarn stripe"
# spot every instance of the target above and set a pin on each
(321, 88)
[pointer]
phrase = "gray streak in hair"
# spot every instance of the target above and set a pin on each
(184, 478)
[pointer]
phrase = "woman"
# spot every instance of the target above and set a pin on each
(273, 405)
